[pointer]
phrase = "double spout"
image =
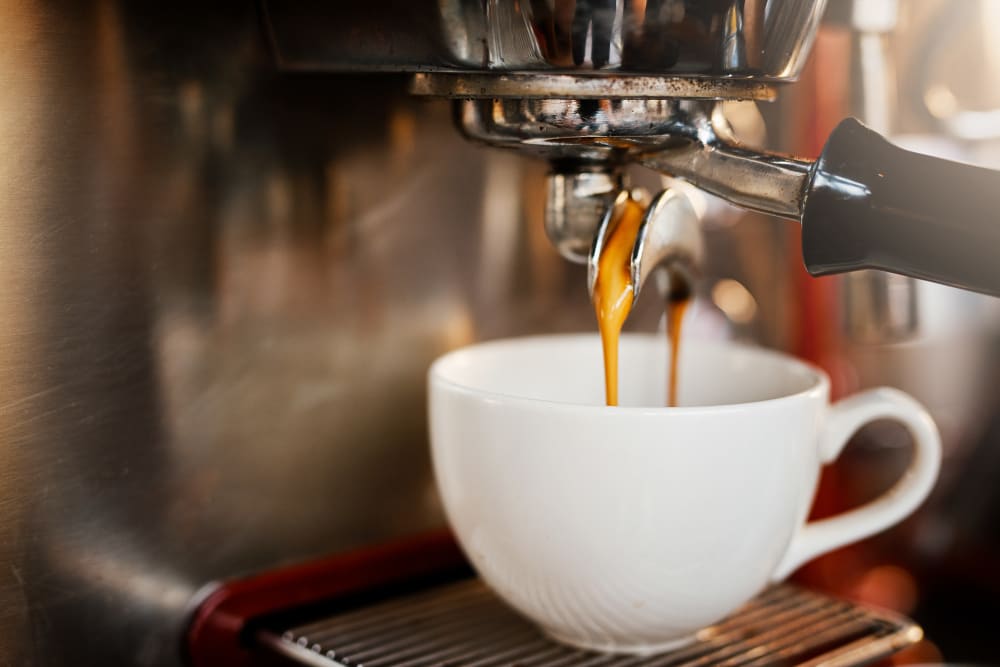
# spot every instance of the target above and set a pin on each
(668, 242)
(582, 211)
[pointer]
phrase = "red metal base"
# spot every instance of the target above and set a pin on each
(217, 634)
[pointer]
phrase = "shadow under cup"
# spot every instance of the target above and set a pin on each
(628, 529)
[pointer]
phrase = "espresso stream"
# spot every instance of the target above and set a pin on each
(613, 294)
(676, 307)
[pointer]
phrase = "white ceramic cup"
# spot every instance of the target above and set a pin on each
(628, 529)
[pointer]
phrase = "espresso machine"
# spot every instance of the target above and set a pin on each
(234, 236)
(593, 86)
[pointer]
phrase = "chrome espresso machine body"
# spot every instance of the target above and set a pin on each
(233, 237)
(595, 85)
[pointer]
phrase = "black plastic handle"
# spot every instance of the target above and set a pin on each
(872, 205)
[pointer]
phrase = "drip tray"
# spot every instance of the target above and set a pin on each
(465, 625)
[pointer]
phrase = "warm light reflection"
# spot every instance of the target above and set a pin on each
(402, 137)
(940, 100)
(500, 228)
(123, 573)
(924, 652)
(191, 101)
(23, 107)
(888, 586)
(746, 121)
(458, 329)
(638, 12)
(733, 299)
(990, 25)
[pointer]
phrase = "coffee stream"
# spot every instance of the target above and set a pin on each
(613, 289)
(676, 307)
(613, 294)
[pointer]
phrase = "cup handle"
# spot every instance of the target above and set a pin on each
(843, 420)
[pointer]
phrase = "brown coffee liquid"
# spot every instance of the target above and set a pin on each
(676, 307)
(613, 290)
(613, 294)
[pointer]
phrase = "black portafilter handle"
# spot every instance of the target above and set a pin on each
(871, 205)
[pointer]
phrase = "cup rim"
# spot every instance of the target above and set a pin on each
(819, 387)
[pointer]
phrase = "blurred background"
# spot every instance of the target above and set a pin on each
(221, 284)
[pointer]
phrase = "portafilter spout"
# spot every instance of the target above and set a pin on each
(668, 242)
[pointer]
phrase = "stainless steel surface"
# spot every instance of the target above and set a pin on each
(608, 222)
(213, 315)
(769, 40)
(879, 307)
(668, 239)
(873, 69)
(465, 624)
(755, 180)
(576, 201)
(682, 138)
(593, 81)
(581, 130)
(569, 86)
(958, 55)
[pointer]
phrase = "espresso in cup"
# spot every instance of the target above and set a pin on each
(628, 529)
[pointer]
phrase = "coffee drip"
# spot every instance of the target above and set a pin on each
(678, 300)
(614, 291)
(614, 288)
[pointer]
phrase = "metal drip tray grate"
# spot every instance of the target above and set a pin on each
(465, 625)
